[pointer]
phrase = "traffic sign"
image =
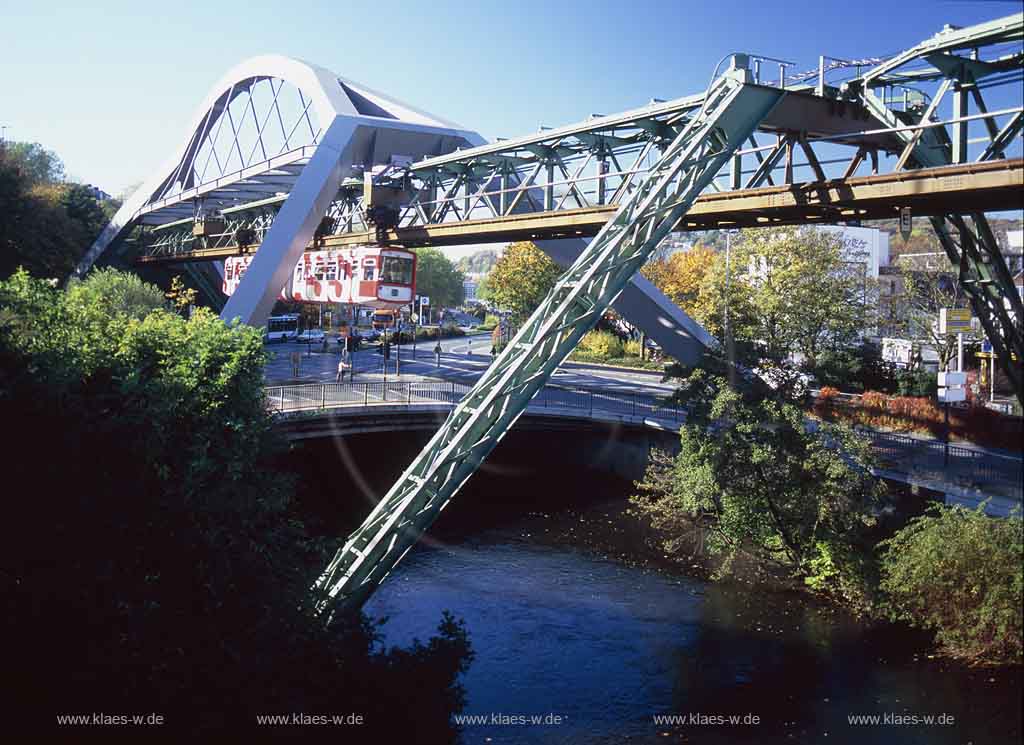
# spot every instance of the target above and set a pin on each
(424, 300)
(952, 395)
(954, 320)
(952, 379)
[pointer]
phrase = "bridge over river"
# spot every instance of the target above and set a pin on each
(634, 404)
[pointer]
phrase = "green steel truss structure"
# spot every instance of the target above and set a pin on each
(732, 109)
(968, 242)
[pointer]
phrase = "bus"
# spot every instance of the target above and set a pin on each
(282, 328)
(384, 319)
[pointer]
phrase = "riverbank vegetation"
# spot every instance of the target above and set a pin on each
(757, 489)
(958, 573)
(766, 492)
(154, 559)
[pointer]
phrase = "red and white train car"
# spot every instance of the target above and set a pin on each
(367, 275)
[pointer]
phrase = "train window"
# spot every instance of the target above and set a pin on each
(326, 271)
(396, 269)
(368, 273)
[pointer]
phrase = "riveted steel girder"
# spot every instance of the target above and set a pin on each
(970, 246)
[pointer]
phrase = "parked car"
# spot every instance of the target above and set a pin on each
(311, 336)
(356, 337)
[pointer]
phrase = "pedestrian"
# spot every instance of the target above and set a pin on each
(341, 370)
(437, 354)
(296, 360)
(494, 351)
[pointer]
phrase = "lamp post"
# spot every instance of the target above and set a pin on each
(727, 329)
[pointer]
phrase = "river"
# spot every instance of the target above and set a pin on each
(576, 641)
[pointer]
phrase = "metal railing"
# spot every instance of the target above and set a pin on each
(317, 396)
(927, 457)
(896, 452)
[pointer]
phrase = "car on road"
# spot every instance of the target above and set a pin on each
(311, 336)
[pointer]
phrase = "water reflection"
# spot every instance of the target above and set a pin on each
(607, 646)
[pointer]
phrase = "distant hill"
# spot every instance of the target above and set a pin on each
(479, 263)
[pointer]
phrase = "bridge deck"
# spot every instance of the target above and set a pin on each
(970, 475)
(988, 186)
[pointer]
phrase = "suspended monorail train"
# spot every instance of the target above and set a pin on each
(371, 276)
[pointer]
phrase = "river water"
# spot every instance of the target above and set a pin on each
(576, 642)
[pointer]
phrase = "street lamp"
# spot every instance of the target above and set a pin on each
(730, 350)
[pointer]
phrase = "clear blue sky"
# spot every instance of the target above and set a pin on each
(111, 86)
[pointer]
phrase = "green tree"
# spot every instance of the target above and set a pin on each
(150, 547)
(438, 279)
(45, 226)
(113, 293)
(959, 572)
(790, 290)
(37, 164)
(521, 279)
(915, 311)
(768, 488)
(681, 276)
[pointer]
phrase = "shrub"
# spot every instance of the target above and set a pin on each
(825, 401)
(873, 401)
(632, 348)
(916, 383)
(601, 345)
(959, 573)
(914, 414)
(855, 369)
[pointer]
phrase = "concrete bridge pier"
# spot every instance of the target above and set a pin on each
(644, 306)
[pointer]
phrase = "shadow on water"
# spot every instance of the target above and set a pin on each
(539, 559)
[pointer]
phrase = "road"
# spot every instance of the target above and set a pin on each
(462, 360)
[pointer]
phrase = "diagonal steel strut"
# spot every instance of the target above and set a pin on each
(733, 108)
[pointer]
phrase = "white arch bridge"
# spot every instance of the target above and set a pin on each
(299, 157)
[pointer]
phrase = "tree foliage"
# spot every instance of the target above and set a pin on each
(681, 275)
(914, 312)
(46, 226)
(521, 279)
(151, 553)
(959, 573)
(790, 291)
(438, 279)
(37, 164)
(768, 488)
